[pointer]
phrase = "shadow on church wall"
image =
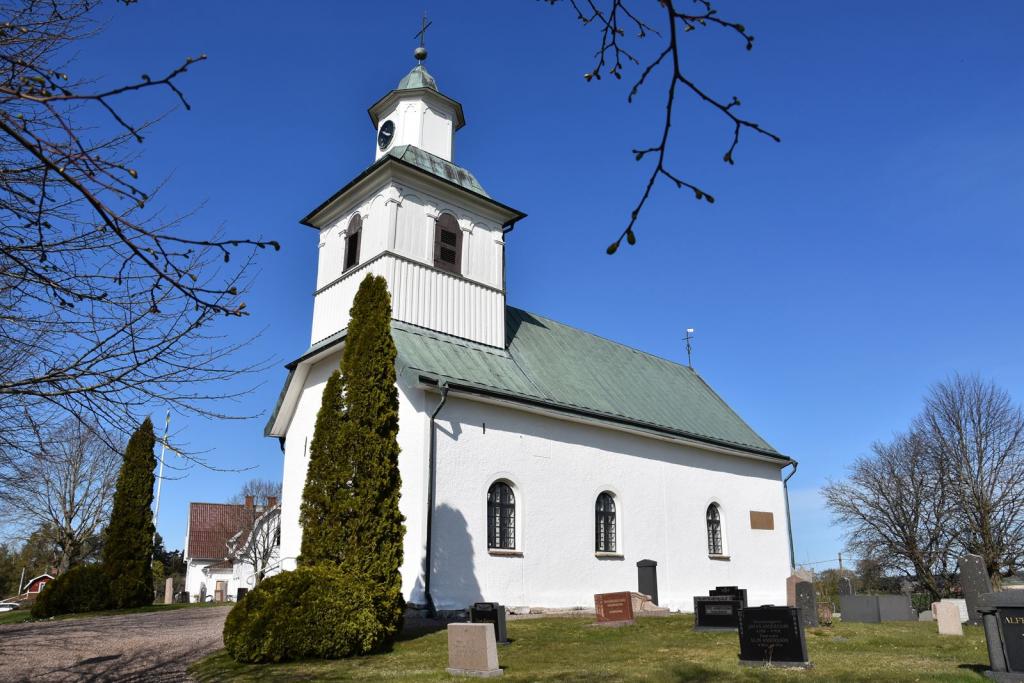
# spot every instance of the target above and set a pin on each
(454, 583)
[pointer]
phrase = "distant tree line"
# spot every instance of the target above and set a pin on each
(950, 484)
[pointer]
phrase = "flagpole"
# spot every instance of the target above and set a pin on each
(160, 476)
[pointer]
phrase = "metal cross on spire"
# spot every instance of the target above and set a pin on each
(421, 51)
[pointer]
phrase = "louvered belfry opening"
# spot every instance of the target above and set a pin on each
(448, 244)
(352, 241)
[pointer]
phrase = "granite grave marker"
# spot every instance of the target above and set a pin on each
(948, 617)
(807, 601)
(772, 636)
(490, 613)
(472, 651)
(716, 613)
(614, 609)
(975, 581)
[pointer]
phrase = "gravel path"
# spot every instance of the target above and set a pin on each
(156, 646)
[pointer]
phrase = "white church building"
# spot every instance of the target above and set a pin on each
(539, 462)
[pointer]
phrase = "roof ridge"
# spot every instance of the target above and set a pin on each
(612, 341)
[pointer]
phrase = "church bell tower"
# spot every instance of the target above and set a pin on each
(417, 219)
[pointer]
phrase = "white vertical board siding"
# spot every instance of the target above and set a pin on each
(421, 296)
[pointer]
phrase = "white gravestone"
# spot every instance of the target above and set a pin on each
(961, 604)
(472, 650)
(948, 616)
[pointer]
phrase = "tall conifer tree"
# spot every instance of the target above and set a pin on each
(128, 549)
(350, 514)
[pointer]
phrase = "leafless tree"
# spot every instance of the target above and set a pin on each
(258, 535)
(105, 305)
(896, 508)
(261, 490)
(65, 486)
(676, 18)
(976, 430)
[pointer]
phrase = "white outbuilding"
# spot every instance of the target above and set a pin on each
(539, 462)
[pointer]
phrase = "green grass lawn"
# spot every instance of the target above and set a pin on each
(19, 615)
(655, 649)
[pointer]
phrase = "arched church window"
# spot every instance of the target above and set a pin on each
(501, 517)
(605, 523)
(448, 244)
(714, 518)
(355, 228)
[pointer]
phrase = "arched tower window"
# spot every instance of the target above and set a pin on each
(604, 512)
(501, 517)
(448, 244)
(355, 228)
(714, 519)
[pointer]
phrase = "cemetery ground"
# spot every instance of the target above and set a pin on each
(654, 649)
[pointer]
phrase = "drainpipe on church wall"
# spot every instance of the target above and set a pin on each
(432, 467)
(789, 520)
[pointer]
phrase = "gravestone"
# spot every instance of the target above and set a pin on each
(772, 636)
(241, 593)
(974, 581)
(807, 601)
(845, 586)
(647, 579)
(926, 615)
(1002, 615)
(895, 608)
(824, 613)
(716, 613)
(614, 609)
(961, 606)
(183, 596)
(872, 609)
(734, 592)
(859, 608)
(490, 613)
(948, 616)
(791, 583)
(169, 590)
(472, 651)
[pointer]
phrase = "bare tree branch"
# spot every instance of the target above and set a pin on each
(613, 18)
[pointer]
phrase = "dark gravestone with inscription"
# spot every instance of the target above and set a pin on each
(807, 601)
(974, 581)
(1011, 627)
(1003, 618)
(614, 609)
(845, 586)
(772, 636)
(716, 613)
(241, 593)
(490, 613)
(734, 592)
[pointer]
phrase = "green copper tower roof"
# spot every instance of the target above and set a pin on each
(417, 78)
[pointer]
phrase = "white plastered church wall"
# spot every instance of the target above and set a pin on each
(557, 469)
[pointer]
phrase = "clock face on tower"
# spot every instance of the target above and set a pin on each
(386, 135)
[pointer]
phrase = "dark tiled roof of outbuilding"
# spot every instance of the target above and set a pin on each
(210, 526)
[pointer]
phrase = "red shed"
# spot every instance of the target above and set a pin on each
(35, 585)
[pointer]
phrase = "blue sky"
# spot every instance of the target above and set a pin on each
(871, 253)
